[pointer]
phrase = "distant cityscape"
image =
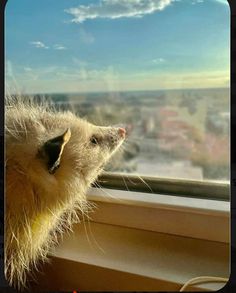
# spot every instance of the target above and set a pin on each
(171, 133)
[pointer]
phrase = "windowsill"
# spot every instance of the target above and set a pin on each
(183, 216)
(155, 258)
(140, 241)
(195, 205)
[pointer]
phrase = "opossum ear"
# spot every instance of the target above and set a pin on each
(53, 149)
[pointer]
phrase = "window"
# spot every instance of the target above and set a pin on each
(159, 68)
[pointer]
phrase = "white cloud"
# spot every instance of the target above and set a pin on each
(38, 44)
(113, 9)
(197, 2)
(158, 61)
(59, 47)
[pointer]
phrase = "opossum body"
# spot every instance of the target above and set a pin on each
(51, 160)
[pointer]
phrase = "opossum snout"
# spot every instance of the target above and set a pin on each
(122, 132)
(116, 136)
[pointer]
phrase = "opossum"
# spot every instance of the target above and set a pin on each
(51, 159)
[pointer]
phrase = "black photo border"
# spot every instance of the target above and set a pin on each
(231, 285)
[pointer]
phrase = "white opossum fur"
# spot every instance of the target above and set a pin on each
(51, 159)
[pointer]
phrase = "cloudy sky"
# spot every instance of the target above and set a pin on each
(110, 45)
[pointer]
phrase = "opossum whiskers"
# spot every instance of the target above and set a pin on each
(140, 177)
(106, 193)
(123, 177)
(86, 232)
(94, 239)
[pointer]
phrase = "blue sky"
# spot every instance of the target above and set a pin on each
(109, 45)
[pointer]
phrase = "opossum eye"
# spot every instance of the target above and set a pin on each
(94, 140)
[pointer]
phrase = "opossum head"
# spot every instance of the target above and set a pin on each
(58, 152)
(82, 148)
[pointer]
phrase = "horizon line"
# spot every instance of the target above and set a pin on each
(122, 91)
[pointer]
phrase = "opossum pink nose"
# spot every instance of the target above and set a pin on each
(122, 132)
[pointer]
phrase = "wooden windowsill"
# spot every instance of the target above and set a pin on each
(182, 216)
(160, 261)
(142, 242)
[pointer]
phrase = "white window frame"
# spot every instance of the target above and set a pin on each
(178, 215)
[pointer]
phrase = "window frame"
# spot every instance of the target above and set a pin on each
(174, 206)
(169, 186)
(182, 216)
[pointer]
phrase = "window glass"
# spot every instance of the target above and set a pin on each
(159, 68)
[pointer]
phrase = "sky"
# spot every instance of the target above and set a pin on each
(61, 46)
